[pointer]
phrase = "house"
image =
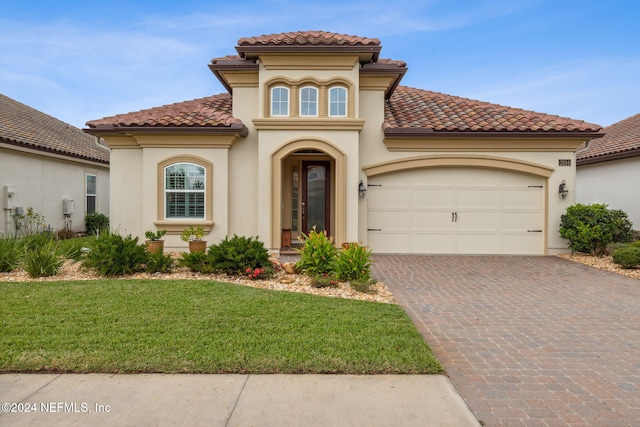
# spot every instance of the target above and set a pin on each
(315, 130)
(608, 169)
(52, 167)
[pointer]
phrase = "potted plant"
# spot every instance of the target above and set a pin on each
(154, 242)
(194, 237)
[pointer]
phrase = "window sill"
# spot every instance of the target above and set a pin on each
(177, 226)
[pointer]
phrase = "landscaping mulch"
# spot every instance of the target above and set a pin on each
(602, 263)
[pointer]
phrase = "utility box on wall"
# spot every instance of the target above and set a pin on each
(9, 196)
(68, 207)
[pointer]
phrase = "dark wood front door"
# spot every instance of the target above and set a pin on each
(315, 204)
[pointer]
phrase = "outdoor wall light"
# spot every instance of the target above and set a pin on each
(562, 190)
(362, 190)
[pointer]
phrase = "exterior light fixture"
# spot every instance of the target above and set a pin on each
(562, 190)
(362, 190)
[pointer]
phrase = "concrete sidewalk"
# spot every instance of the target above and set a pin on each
(231, 400)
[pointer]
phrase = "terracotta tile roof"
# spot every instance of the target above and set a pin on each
(417, 109)
(304, 38)
(27, 127)
(621, 139)
(212, 111)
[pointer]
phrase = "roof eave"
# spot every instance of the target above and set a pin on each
(431, 133)
(63, 153)
(399, 72)
(366, 53)
(634, 152)
(219, 68)
(235, 129)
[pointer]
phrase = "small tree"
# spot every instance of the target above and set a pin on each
(590, 228)
(96, 222)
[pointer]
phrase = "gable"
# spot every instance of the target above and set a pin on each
(25, 127)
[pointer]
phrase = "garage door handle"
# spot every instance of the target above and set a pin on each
(374, 229)
(534, 231)
(454, 216)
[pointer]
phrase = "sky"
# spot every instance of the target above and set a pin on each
(84, 60)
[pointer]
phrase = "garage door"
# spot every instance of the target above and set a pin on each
(456, 210)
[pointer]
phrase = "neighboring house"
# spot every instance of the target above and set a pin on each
(308, 117)
(608, 169)
(43, 162)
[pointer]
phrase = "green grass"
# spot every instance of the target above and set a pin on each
(198, 326)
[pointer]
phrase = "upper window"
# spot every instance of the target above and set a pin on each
(279, 101)
(184, 191)
(337, 102)
(308, 101)
(92, 192)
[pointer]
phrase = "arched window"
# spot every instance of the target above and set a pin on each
(279, 101)
(308, 102)
(338, 102)
(184, 191)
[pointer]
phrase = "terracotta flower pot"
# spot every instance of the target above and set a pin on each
(155, 246)
(197, 245)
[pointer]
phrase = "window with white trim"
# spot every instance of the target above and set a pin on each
(184, 191)
(338, 102)
(91, 193)
(280, 101)
(308, 102)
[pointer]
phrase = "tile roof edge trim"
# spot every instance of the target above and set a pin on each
(633, 152)
(58, 153)
(240, 130)
(430, 133)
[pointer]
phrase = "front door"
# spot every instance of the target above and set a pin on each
(315, 204)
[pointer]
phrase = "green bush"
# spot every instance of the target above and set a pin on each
(627, 257)
(198, 262)
(317, 255)
(10, 254)
(353, 263)
(96, 223)
(157, 262)
(238, 254)
(114, 255)
(43, 259)
(590, 228)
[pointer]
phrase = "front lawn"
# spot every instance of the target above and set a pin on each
(176, 326)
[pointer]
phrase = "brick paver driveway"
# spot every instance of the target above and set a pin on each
(535, 341)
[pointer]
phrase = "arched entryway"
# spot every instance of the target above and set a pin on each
(308, 185)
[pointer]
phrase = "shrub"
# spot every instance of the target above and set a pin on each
(353, 263)
(43, 259)
(10, 254)
(627, 257)
(198, 262)
(157, 262)
(324, 280)
(114, 255)
(317, 255)
(30, 223)
(590, 228)
(96, 223)
(236, 255)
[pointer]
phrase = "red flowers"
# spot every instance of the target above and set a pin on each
(255, 273)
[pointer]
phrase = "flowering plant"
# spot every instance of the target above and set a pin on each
(256, 273)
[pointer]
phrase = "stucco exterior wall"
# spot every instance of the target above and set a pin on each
(42, 182)
(614, 183)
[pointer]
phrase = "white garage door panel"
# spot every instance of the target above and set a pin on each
(391, 221)
(478, 243)
(478, 198)
(523, 221)
(456, 210)
(433, 243)
(396, 198)
(521, 198)
(394, 243)
(483, 222)
(430, 221)
(433, 198)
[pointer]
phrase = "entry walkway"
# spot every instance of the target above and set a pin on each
(527, 341)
